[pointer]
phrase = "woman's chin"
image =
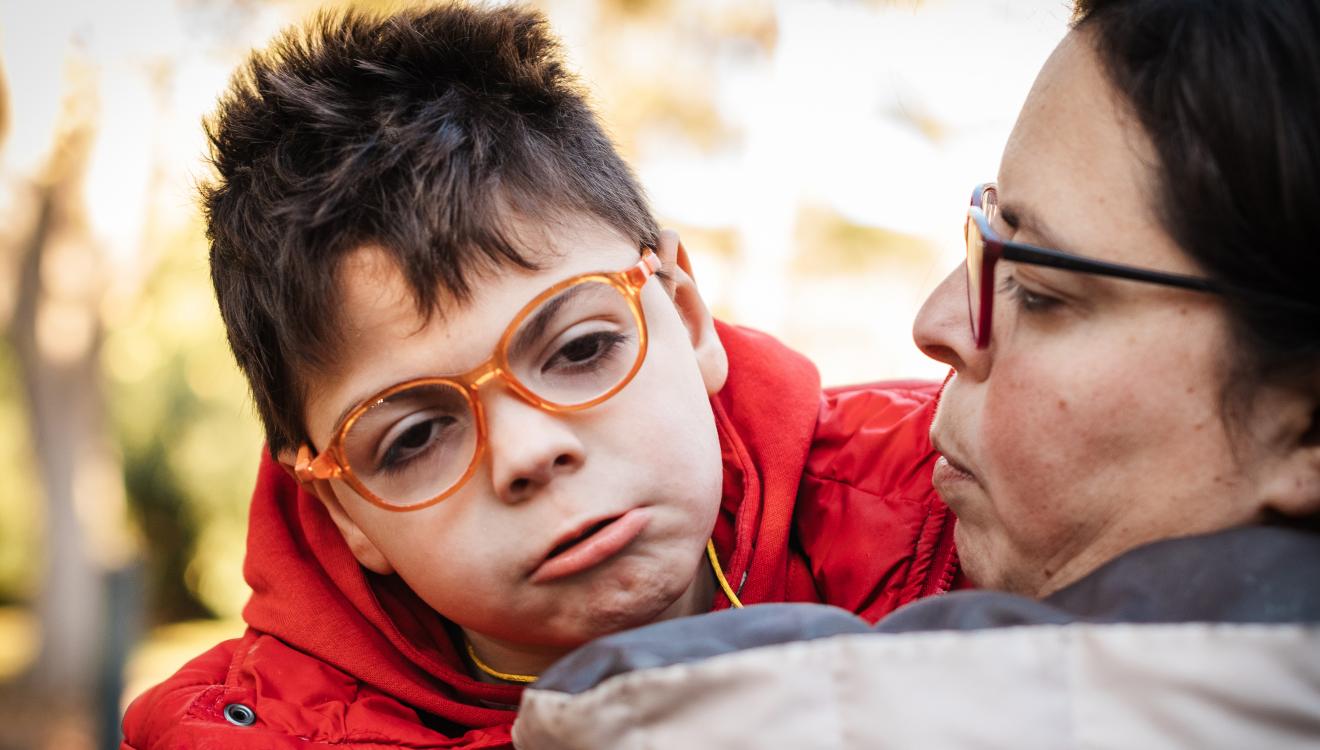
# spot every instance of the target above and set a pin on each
(989, 566)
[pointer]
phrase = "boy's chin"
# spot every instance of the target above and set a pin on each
(601, 613)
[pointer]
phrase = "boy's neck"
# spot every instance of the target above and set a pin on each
(523, 659)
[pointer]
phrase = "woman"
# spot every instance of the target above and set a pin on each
(1131, 439)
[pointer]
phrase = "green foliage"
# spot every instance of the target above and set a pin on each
(20, 498)
(189, 439)
(833, 245)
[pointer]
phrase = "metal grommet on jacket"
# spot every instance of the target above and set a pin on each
(240, 715)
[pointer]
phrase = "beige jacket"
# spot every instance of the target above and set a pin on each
(1211, 642)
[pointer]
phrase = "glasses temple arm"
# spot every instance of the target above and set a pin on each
(1040, 256)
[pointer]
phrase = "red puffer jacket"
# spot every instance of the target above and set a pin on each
(827, 498)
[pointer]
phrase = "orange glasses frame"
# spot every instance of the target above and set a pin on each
(333, 463)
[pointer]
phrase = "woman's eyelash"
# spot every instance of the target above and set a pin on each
(1008, 218)
(1027, 299)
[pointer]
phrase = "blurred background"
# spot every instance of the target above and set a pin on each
(815, 156)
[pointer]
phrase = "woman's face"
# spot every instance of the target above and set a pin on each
(1093, 422)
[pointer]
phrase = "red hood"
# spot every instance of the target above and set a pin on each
(310, 592)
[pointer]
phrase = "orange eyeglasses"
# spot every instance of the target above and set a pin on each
(413, 444)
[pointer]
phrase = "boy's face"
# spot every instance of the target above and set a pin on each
(646, 462)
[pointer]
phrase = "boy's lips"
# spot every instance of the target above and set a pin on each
(590, 544)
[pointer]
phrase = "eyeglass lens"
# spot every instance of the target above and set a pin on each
(975, 261)
(571, 349)
(979, 309)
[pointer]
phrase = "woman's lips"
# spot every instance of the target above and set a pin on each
(595, 549)
(948, 473)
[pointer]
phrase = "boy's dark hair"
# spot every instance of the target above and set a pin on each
(1227, 91)
(427, 132)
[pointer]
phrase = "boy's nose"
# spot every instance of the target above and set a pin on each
(943, 331)
(527, 448)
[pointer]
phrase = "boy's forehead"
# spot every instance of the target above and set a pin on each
(374, 291)
(368, 278)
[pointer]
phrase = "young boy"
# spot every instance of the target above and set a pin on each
(501, 420)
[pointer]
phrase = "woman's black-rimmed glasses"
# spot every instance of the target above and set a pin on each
(985, 249)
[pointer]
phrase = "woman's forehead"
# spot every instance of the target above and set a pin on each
(1080, 170)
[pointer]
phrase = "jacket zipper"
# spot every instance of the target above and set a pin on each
(944, 560)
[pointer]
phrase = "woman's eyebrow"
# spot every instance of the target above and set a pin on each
(1021, 217)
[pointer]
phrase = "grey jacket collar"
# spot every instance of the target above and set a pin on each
(1262, 575)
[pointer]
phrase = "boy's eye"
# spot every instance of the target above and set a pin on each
(414, 440)
(584, 350)
(416, 436)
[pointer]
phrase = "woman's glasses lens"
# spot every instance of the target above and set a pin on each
(975, 259)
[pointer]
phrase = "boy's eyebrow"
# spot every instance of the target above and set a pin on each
(532, 329)
(353, 403)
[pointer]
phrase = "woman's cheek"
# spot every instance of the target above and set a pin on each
(1035, 441)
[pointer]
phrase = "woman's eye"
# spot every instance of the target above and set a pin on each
(1027, 299)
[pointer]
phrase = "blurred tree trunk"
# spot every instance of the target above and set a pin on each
(55, 331)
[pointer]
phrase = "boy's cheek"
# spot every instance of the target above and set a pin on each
(457, 580)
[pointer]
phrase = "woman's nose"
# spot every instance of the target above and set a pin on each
(943, 331)
(527, 447)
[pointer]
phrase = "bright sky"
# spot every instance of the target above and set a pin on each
(886, 113)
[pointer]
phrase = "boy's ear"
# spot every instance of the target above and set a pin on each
(365, 550)
(711, 357)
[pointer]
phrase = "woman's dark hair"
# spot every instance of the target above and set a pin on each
(427, 132)
(1229, 93)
